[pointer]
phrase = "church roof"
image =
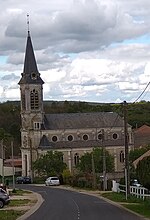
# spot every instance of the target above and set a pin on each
(30, 66)
(82, 120)
(44, 142)
(81, 143)
(64, 121)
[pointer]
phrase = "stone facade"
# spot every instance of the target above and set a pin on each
(71, 133)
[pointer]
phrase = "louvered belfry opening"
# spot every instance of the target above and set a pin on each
(34, 97)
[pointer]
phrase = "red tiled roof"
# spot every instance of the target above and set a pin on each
(143, 130)
(17, 162)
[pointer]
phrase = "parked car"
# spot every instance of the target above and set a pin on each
(135, 183)
(23, 179)
(52, 181)
(4, 198)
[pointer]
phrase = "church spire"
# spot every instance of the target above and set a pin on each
(30, 62)
(30, 73)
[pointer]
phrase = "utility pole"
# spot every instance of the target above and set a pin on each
(31, 163)
(104, 162)
(2, 151)
(93, 171)
(71, 158)
(13, 168)
(127, 176)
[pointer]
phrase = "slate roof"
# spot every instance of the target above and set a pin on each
(79, 144)
(65, 121)
(44, 142)
(82, 120)
(30, 65)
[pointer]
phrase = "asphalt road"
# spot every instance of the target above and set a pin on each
(61, 204)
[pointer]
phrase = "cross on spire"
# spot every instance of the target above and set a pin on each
(28, 24)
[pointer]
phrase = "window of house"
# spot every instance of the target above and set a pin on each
(121, 157)
(54, 138)
(70, 138)
(85, 137)
(115, 136)
(76, 159)
(34, 98)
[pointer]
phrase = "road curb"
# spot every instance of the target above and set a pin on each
(33, 208)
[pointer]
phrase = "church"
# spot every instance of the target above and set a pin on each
(73, 134)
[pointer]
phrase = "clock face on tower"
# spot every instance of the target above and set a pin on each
(34, 75)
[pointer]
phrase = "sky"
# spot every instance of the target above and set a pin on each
(86, 50)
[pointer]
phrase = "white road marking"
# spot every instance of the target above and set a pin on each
(78, 210)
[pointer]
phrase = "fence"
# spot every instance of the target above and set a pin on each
(138, 191)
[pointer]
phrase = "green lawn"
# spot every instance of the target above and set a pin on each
(18, 202)
(19, 192)
(10, 214)
(132, 203)
(13, 214)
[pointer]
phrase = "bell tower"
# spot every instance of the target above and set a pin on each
(32, 115)
(31, 89)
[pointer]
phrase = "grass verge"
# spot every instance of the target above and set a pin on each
(137, 205)
(10, 214)
(14, 214)
(19, 192)
(19, 202)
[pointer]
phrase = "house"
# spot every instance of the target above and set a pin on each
(74, 134)
(146, 154)
(142, 136)
(8, 166)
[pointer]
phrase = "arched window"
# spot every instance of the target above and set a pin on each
(34, 99)
(76, 159)
(121, 157)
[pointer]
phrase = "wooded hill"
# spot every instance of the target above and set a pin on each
(138, 114)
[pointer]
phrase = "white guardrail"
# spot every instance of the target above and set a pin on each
(138, 191)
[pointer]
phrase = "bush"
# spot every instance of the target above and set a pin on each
(39, 180)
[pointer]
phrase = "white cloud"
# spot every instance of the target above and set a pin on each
(85, 50)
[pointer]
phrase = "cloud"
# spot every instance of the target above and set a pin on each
(85, 50)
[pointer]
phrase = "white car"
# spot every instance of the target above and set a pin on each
(136, 183)
(52, 181)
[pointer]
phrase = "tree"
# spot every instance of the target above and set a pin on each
(133, 155)
(50, 164)
(136, 153)
(85, 163)
(143, 172)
